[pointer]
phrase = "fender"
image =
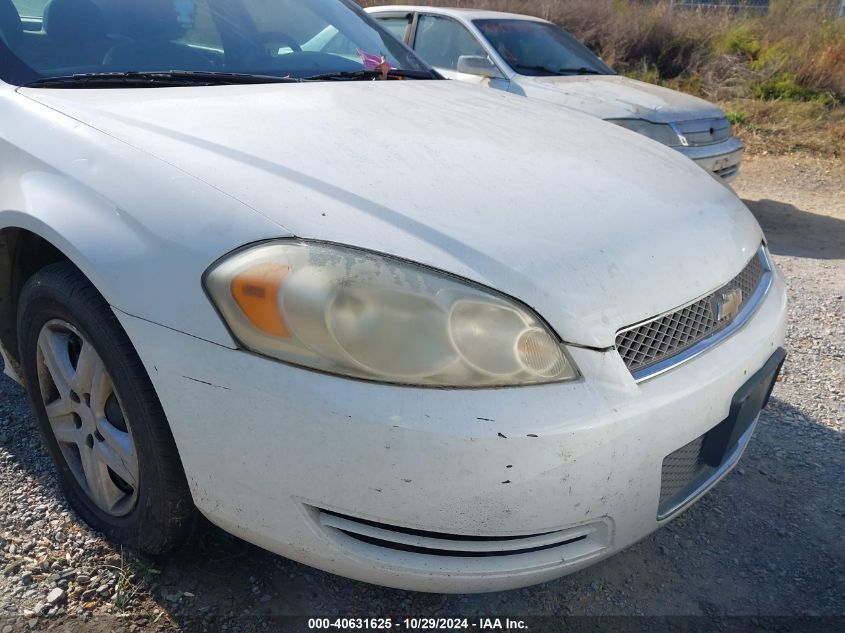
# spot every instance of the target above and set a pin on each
(106, 215)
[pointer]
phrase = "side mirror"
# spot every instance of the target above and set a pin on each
(478, 65)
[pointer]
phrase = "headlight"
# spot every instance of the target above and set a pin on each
(359, 314)
(660, 132)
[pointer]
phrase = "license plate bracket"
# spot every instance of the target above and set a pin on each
(746, 405)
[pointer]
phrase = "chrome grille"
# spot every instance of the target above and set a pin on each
(704, 131)
(646, 344)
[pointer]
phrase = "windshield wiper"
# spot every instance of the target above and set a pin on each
(560, 71)
(538, 69)
(580, 71)
(365, 75)
(170, 78)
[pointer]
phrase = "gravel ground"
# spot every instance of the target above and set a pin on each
(766, 541)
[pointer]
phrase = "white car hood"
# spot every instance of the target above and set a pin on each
(614, 97)
(593, 226)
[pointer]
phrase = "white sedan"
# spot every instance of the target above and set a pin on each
(534, 58)
(406, 331)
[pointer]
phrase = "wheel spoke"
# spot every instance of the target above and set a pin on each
(100, 390)
(64, 429)
(88, 367)
(118, 452)
(59, 408)
(53, 347)
(100, 486)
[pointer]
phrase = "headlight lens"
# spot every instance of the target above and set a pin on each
(660, 132)
(359, 314)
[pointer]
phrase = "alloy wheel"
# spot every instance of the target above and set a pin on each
(86, 418)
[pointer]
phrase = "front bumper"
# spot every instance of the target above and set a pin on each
(720, 159)
(326, 470)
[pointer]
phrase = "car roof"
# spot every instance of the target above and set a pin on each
(466, 14)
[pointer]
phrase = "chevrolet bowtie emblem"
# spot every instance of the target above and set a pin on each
(726, 304)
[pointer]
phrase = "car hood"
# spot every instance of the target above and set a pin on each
(592, 225)
(614, 97)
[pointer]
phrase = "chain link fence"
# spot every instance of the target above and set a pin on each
(829, 7)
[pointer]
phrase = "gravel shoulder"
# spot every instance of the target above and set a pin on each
(767, 541)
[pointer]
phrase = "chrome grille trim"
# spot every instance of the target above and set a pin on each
(703, 132)
(659, 344)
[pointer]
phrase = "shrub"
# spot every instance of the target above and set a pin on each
(786, 87)
(737, 118)
(741, 39)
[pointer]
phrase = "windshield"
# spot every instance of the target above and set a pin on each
(275, 38)
(540, 48)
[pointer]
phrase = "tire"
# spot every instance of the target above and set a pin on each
(111, 444)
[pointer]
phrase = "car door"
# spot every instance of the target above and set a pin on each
(441, 40)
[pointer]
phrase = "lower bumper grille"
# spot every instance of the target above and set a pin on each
(572, 543)
(727, 172)
(689, 471)
(682, 469)
(692, 469)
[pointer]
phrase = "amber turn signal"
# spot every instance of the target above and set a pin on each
(256, 291)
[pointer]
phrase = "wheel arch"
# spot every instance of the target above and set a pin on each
(23, 252)
(47, 217)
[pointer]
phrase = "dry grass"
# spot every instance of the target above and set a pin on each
(782, 127)
(783, 73)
